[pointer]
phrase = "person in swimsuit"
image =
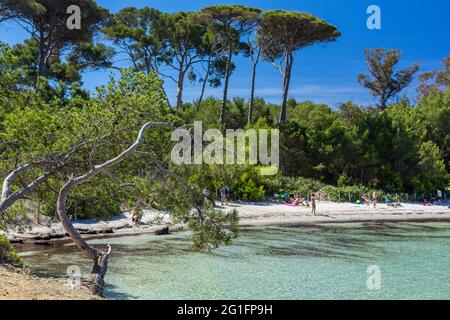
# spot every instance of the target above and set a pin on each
(313, 203)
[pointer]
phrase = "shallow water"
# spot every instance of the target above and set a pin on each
(304, 262)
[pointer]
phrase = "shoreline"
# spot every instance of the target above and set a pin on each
(264, 214)
(251, 214)
(256, 214)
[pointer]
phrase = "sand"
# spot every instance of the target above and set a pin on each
(17, 285)
(250, 213)
(268, 213)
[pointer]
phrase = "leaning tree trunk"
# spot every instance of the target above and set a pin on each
(225, 88)
(180, 86)
(200, 99)
(252, 91)
(99, 257)
(183, 68)
(287, 81)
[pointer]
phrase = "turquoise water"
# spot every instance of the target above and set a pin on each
(303, 262)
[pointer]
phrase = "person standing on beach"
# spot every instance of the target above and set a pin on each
(225, 195)
(439, 195)
(374, 199)
(313, 204)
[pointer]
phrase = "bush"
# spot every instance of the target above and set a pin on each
(247, 188)
(303, 186)
(244, 182)
(8, 255)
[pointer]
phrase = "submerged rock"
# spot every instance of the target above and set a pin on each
(162, 231)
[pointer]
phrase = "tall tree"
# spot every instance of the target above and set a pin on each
(46, 22)
(284, 32)
(435, 80)
(254, 52)
(214, 63)
(232, 23)
(383, 81)
(183, 39)
(138, 33)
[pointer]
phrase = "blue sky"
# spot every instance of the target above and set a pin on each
(325, 73)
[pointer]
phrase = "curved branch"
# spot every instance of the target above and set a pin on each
(9, 180)
(73, 182)
(7, 198)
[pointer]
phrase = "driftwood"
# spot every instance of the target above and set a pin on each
(99, 257)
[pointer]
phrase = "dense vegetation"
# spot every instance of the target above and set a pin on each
(8, 254)
(48, 120)
(68, 153)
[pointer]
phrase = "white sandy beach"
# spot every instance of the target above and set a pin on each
(251, 214)
(267, 213)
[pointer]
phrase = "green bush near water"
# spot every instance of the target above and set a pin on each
(8, 254)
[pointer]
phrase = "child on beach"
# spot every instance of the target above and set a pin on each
(299, 201)
(313, 203)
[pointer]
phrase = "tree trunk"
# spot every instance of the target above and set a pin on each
(180, 86)
(42, 54)
(166, 97)
(205, 81)
(252, 90)
(98, 272)
(225, 87)
(287, 80)
(383, 102)
(100, 258)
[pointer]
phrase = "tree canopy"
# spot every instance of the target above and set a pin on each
(231, 23)
(384, 82)
(51, 39)
(281, 33)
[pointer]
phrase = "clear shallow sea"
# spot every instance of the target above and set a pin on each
(326, 261)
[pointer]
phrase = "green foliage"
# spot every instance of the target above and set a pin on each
(8, 254)
(247, 188)
(435, 81)
(342, 153)
(244, 182)
(304, 186)
(43, 55)
(281, 33)
(348, 146)
(210, 229)
(383, 81)
(287, 31)
(137, 32)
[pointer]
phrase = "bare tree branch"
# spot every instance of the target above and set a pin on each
(100, 258)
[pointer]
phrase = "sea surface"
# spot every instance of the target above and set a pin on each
(329, 261)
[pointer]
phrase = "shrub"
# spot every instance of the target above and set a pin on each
(8, 254)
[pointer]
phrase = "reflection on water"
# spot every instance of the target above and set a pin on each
(326, 261)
